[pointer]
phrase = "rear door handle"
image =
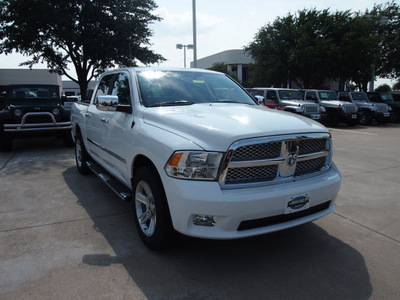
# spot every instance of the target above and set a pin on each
(104, 120)
(88, 115)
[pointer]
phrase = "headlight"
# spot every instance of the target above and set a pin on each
(322, 109)
(373, 108)
(388, 108)
(18, 112)
(196, 165)
(56, 111)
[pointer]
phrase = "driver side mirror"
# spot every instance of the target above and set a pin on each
(112, 103)
(260, 99)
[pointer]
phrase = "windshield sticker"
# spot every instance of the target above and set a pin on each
(198, 81)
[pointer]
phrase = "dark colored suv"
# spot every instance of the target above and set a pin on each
(32, 110)
(388, 99)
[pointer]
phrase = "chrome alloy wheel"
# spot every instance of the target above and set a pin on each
(145, 208)
(78, 153)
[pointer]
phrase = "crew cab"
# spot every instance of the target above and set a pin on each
(199, 156)
(337, 111)
(32, 109)
(369, 111)
(292, 101)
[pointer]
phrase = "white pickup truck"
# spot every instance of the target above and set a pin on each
(198, 155)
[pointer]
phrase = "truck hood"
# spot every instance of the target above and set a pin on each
(215, 127)
(334, 103)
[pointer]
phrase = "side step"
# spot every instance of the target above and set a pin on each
(120, 189)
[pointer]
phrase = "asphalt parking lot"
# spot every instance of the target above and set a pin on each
(67, 236)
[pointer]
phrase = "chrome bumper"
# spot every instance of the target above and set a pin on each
(23, 127)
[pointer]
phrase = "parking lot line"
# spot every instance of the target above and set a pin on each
(352, 131)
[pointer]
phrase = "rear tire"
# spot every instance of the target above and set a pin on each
(151, 212)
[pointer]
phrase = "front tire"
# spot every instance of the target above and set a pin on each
(6, 140)
(81, 155)
(365, 118)
(151, 212)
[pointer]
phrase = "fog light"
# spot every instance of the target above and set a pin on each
(203, 220)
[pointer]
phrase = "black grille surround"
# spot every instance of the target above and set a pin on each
(257, 223)
(275, 159)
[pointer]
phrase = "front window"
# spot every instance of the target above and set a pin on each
(360, 96)
(32, 92)
(387, 97)
(165, 88)
(289, 95)
(328, 95)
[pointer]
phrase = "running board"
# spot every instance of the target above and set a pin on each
(120, 189)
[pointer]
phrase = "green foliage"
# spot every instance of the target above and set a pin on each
(312, 46)
(396, 86)
(93, 35)
(384, 88)
(223, 68)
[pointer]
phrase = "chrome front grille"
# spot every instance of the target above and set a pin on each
(381, 108)
(310, 108)
(350, 108)
(257, 151)
(275, 159)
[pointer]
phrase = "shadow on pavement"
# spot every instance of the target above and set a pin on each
(300, 263)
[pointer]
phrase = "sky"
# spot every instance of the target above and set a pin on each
(221, 25)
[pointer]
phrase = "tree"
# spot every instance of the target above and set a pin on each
(313, 46)
(383, 88)
(93, 35)
(223, 68)
(396, 86)
(387, 19)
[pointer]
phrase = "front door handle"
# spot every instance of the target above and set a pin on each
(104, 120)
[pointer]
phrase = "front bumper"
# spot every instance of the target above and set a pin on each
(381, 115)
(349, 116)
(29, 127)
(234, 209)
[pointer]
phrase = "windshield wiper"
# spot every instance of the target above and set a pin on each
(172, 103)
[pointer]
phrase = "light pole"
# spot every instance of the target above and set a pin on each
(381, 20)
(194, 34)
(180, 46)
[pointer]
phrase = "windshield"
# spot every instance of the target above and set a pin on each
(32, 92)
(387, 97)
(165, 88)
(360, 96)
(289, 95)
(327, 95)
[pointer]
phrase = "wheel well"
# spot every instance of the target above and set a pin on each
(142, 161)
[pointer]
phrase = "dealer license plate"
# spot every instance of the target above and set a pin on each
(297, 203)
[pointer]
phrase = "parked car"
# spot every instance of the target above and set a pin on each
(388, 99)
(68, 101)
(32, 109)
(337, 111)
(292, 101)
(198, 155)
(261, 99)
(369, 111)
